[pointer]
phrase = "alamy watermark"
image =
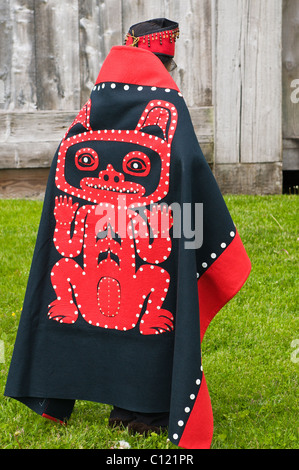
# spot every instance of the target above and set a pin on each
(295, 93)
(295, 353)
(185, 219)
(2, 92)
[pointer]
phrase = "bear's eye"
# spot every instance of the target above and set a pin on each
(136, 163)
(86, 159)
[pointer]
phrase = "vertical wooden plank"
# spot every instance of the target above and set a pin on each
(290, 77)
(261, 117)
(110, 25)
(100, 29)
(23, 93)
(5, 54)
(248, 81)
(193, 50)
(90, 45)
(227, 72)
(57, 54)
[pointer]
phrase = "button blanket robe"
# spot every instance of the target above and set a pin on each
(119, 294)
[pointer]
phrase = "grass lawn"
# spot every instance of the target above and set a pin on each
(250, 351)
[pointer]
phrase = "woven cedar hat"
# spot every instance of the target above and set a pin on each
(157, 35)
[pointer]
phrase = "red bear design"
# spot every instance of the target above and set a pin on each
(114, 227)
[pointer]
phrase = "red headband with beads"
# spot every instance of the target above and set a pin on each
(162, 42)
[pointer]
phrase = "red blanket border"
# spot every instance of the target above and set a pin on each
(216, 287)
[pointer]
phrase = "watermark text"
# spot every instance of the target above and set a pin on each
(155, 221)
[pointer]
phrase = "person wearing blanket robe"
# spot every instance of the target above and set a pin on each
(136, 252)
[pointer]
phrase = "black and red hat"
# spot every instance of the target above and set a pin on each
(158, 35)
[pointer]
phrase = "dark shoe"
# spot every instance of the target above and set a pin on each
(142, 428)
(118, 423)
(120, 417)
(141, 423)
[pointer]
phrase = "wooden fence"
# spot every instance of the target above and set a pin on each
(229, 58)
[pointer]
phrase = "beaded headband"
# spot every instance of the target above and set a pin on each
(159, 40)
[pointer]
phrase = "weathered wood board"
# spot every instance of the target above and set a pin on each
(290, 84)
(30, 140)
(290, 78)
(248, 81)
(250, 178)
(23, 183)
(57, 55)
